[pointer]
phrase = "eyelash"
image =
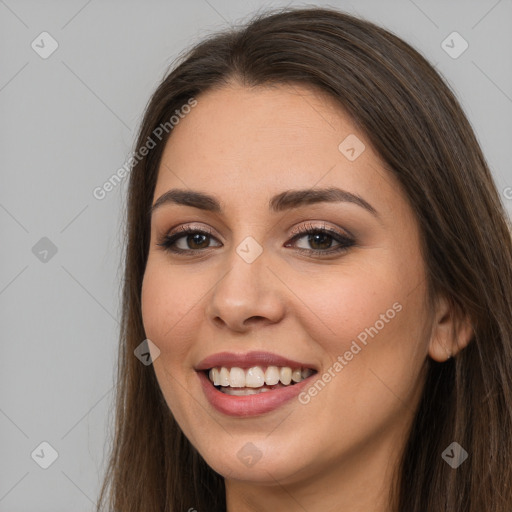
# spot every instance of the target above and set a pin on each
(345, 242)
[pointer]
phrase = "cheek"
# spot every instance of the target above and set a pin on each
(370, 324)
(170, 302)
(170, 305)
(373, 315)
(346, 302)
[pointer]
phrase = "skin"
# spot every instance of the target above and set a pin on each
(337, 452)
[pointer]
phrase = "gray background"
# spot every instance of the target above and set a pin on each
(67, 124)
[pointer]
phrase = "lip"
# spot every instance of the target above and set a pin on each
(255, 358)
(250, 405)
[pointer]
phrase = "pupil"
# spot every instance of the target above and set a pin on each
(197, 239)
(318, 238)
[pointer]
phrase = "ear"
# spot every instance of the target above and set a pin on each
(451, 331)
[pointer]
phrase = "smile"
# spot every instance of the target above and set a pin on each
(251, 401)
(237, 381)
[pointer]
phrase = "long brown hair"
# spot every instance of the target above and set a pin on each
(413, 120)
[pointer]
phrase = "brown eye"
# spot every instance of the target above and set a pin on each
(319, 241)
(197, 241)
(187, 240)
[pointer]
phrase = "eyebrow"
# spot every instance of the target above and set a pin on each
(286, 200)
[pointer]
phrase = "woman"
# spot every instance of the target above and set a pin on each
(320, 269)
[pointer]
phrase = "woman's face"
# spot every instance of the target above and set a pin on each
(254, 284)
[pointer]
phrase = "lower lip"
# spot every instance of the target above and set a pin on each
(249, 405)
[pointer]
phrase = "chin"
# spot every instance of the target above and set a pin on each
(254, 462)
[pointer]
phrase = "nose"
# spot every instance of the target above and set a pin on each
(248, 295)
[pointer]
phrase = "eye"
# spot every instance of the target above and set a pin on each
(194, 239)
(320, 239)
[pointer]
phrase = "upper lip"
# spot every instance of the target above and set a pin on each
(249, 359)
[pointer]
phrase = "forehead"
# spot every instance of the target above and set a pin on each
(262, 140)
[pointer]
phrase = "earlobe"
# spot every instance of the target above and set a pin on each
(452, 331)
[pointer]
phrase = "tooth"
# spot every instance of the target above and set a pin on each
(272, 375)
(254, 377)
(285, 375)
(240, 392)
(296, 375)
(214, 376)
(237, 377)
(306, 372)
(224, 376)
